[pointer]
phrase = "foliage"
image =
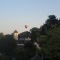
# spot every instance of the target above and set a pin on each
(50, 41)
(51, 21)
(7, 45)
(47, 36)
(24, 34)
(34, 33)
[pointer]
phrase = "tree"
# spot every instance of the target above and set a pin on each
(30, 50)
(52, 20)
(34, 33)
(7, 45)
(24, 34)
(51, 43)
(49, 39)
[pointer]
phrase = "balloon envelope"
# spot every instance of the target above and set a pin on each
(26, 26)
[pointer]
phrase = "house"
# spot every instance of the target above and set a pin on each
(20, 41)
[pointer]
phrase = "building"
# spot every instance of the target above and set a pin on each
(20, 41)
(15, 35)
(20, 44)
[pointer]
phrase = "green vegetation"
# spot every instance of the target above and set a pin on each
(47, 36)
(49, 39)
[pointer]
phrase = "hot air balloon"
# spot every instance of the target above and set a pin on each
(26, 26)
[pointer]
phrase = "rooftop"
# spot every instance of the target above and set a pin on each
(15, 31)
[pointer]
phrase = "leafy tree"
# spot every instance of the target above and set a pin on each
(52, 20)
(50, 39)
(19, 53)
(7, 45)
(24, 34)
(30, 50)
(51, 44)
(34, 34)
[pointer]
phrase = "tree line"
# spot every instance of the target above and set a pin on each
(47, 36)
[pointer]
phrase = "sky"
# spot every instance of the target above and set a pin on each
(15, 14)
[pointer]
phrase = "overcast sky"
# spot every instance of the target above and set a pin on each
(14, 14)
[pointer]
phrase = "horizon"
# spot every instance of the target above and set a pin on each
(15, 14)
